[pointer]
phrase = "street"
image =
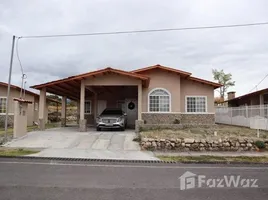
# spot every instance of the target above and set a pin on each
(29, 179)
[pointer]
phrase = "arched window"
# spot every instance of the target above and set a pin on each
(159, 100)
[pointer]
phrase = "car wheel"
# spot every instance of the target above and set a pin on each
(98, 129)
(122, 128)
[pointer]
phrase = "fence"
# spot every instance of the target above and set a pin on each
(248, 116)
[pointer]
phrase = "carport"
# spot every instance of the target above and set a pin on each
(94, 91)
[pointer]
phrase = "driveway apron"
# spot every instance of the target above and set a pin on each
(70, 143)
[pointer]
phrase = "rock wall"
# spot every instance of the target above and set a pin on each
(178, 118)
(190, 144)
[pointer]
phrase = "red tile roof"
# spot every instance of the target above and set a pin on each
(249, 94)
(93, 73)
(215, 85)
(162, 67)
(70, 86)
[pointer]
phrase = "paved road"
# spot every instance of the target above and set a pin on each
(69, 181)
(69, 142)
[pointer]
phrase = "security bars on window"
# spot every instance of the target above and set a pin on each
(3, 101)
(88, 107)
(196, 104)
(159, 101)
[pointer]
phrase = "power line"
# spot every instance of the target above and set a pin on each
(146, 31)
(17, 53)
(23, 75)
(259, 82)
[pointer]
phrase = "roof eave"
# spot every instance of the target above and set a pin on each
(213, 84)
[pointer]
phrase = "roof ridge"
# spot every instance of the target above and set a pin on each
(162, 67)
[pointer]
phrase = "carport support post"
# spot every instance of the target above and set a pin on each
(139, 101)
(139, 123)
(42, 108)
(63, 111)
(95, 106)
(78, 112)
(82, 121)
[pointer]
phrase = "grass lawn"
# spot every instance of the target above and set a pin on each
(204, 158)
(16, 152)
(202, 133)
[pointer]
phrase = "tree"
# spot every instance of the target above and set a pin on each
(224, 79)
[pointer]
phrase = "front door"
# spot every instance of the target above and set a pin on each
(131, 106)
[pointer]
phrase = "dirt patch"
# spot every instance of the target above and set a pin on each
(203, 158)
(223, 131)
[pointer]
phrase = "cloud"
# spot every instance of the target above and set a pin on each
(241, 51)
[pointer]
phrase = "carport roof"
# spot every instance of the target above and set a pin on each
(70, 86)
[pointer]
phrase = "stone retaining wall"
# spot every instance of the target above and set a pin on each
(190, 144)
(178, 118)
(146, 127)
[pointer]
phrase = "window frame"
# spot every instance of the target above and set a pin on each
(149, 94)
(88, 113)
(206, 104)
(2, 97)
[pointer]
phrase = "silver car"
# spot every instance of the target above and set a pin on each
(111, 118)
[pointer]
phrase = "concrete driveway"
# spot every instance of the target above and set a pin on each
(68, 142)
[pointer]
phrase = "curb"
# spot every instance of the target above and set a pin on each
(130, 161)
(88, 159)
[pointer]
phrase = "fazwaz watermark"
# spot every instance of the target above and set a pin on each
(190, 180)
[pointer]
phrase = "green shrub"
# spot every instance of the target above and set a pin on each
(137, 139)
(260, 144)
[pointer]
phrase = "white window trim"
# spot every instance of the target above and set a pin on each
(88, 113)
(186, 112)
(148, 102)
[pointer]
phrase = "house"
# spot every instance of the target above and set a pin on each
(251, 99)
(15, 92)
(155, 95)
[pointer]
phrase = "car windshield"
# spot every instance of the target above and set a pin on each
(112, 112)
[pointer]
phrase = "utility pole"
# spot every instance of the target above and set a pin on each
(9, 82)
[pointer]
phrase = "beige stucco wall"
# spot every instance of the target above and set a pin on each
(16, 94)
(179, 88)
(20, 119)
(162, 79)
(112, 79)
(193, 88)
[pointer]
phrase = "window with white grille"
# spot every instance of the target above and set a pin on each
(159, 100)
(196, 104)
(87, 107)
(3, 101)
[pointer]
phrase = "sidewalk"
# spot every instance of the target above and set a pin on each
(209, 153)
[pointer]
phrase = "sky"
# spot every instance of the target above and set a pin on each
(243, 51)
